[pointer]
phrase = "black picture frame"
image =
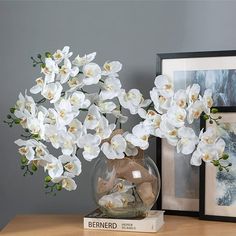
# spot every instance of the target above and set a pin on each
(202, 214)
(159, 61)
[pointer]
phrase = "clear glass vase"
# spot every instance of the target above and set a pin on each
(126, 188)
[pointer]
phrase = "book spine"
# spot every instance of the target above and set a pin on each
(118, 225)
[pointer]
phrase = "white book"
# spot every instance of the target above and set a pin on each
(151, 223)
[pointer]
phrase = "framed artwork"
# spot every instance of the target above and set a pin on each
(217, 71)
(218, 188)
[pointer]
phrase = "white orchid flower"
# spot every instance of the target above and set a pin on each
(40, 150)
(153, 121)
(75, 82)
(51, 116)
(180, 98)
(111, 68)
(60, 55)
(176, 116)
(43, 109)
(25, 109)
(164, 86)
(110, 88)
(130, 150)
(109, 201)
(52, 92)
(104, 129)
(50, 70)
(220, 146)
(194, 111)
(106, 107)
(188, 140)
(81, 61)
(39, 86)
(78, 100)
(207, 100)
(161, 103)
(131, 100)
(53, 166)
(65, 112)
(92, 73)
(25, 105)
(26, 148)
(52, 134)
(32, 149)
(67, 143)
(76, 128)
(120, 118)
(193, 93)
(71, 164)
(169, 131)
(208, 152)
(66, 71)
(115, 148)
(144, 103)
(66, 182)
(36, 124)
(139, 136)
(93, 117)
(90, 145)
(196, 159)
(209, 136)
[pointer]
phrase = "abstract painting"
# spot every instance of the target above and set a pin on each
(180, 181)
(226, 181)
(221, 82)
(218, 188)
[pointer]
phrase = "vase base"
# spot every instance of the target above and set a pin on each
(124, 212)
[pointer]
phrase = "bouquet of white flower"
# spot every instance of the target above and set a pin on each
(75, 119)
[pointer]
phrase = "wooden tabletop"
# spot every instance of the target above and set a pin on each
(72, 225)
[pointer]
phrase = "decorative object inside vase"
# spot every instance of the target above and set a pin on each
(126, 188)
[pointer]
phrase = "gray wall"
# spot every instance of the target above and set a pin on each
(129, 31)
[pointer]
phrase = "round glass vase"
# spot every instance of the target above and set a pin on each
(126, 188)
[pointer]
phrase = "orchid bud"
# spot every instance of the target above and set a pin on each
(214, 110)
(47, 179)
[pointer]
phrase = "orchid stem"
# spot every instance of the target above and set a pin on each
(41, 101)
